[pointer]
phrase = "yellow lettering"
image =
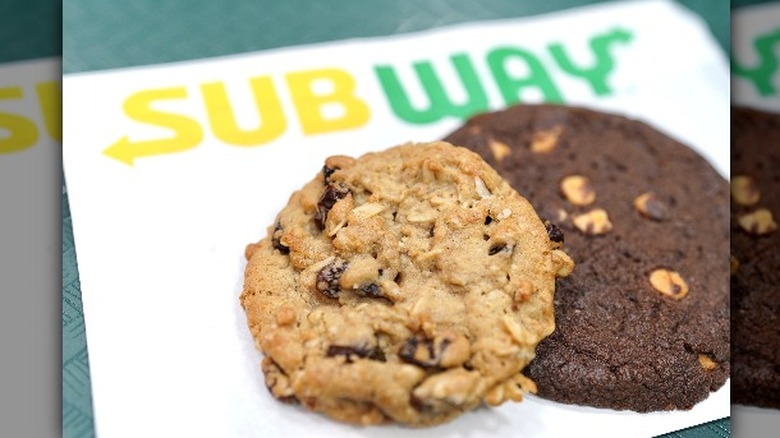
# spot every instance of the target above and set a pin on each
(222, 117)
(22, 132)
(347, 111)
(50, 100)
(187, 131)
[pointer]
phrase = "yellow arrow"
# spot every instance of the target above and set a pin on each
(188, 132)
(126, 151)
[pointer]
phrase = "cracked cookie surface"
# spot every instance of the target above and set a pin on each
(408, 285)
(643, 322)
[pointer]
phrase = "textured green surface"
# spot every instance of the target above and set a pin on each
(736, 4)
(719, 429)
(29, 29)
(77, 419)
(100, 34)
(144, 32)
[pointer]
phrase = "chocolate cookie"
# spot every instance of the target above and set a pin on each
(408, 285)
(755, 249)
(643, 322)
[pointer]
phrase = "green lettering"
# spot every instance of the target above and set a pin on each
(602, 65)
(761, 74)
(511, 87)
(440, 104)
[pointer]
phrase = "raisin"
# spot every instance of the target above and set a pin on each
(328, 279)
(270, 382)
(288, 399)
(418, 404)
(555, 233)
(421, 352)
(495, 249)
(327, 172)
(372, 353)
(276, 239)
(371, 290)
(328, 199)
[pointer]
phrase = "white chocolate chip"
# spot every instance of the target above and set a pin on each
(500, 150)
(744, 190)
(649, 206)
(578, 190)
(545, 141)
(758, 223)
(669, 283)
(594, 222)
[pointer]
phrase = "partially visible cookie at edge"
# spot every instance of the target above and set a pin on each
(643, 322)
(755, 251)
(409, 285)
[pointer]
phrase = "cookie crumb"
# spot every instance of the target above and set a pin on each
(563, 263)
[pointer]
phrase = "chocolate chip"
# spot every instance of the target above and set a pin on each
(488, 220)
(372, 353)
(275, 239)
(423, 352)
(327, 172)
(553, 232)
(328, 279)
(371, 290)
(328, 199)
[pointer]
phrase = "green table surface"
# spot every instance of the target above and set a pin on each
(100, 34)
(30, 29)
